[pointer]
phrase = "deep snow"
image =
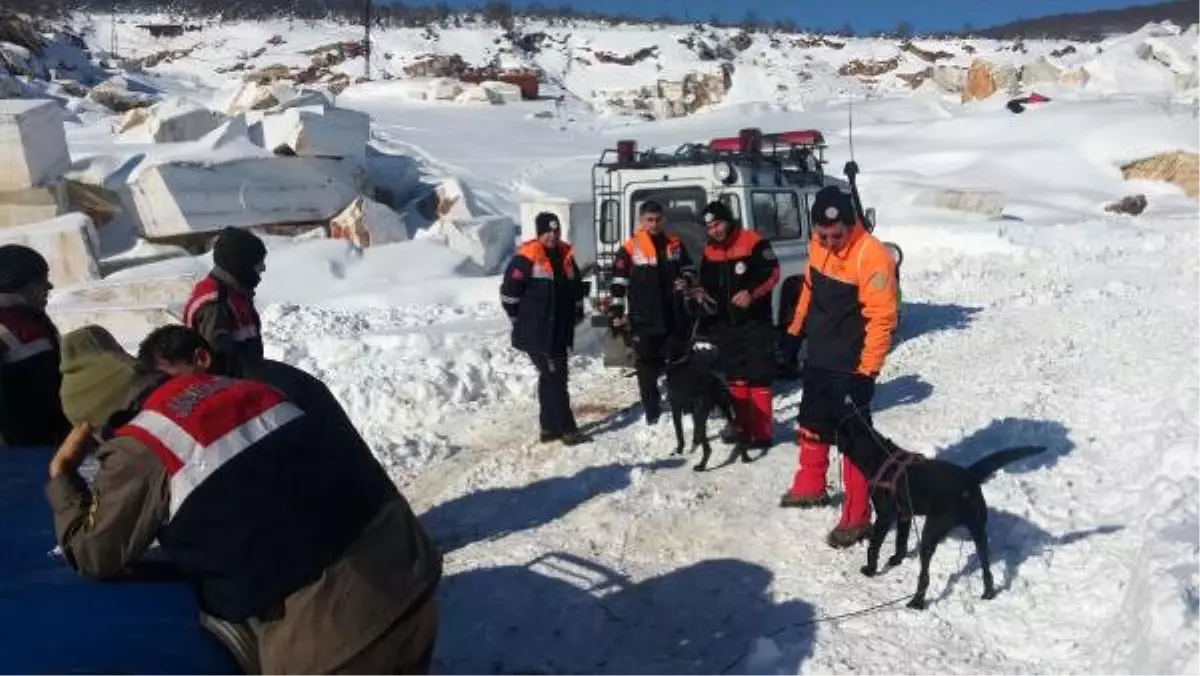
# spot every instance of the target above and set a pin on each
(1057, 324)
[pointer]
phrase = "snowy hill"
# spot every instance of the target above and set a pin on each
(1056, 322)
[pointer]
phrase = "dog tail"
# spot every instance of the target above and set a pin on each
(982, 469)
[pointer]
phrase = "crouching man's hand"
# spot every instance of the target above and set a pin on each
(72, 451)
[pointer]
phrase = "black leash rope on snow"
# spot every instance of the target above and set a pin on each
(818, 620)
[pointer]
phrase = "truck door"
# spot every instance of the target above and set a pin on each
(781, 216)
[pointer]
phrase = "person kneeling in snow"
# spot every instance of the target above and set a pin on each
(847, 312)
(221, 306)
(323, 560)
(542, 293)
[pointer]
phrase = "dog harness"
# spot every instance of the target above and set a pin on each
(893, 469)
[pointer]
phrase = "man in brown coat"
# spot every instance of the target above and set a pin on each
(324, 561)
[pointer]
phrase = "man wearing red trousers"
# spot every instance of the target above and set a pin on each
(847, 313)
(738, 271)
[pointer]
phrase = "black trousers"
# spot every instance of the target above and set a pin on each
(554, 399)
(823, 402)
(650, 352)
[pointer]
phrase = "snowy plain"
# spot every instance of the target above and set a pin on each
(1058, 324)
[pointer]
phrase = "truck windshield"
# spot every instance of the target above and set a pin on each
(682, 206)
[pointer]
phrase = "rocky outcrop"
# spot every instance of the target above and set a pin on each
(924, 55)
(868, 68)
(1179, 168)
(117, 95)
(437, 65)
(627, 59)
(916, 79)
(984, 80)
(1131, 205)
(21, 30)
(164, 56)
(671, 98)
(810, 41)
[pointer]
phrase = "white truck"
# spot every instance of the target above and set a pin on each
(766, 180)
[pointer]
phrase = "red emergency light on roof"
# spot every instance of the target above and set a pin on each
(748, 140)
(729, 144)
(626, 150)
(803, 137)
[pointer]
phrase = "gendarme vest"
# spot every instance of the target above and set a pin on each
(258, 506)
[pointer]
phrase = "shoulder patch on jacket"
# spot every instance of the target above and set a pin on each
(516, 274)
(878, 280)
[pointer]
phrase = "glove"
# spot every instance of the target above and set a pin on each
(861, 389)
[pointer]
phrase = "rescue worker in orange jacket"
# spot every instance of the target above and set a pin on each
(647, 271)
(30, 412)
(221, 306)
(281, 526)
(847, 313)
(543, 295)
(738, 271)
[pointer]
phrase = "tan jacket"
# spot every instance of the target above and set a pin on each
(389, 568)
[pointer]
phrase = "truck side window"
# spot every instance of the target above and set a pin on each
(610, 222)
(776, 214)
(762, 207)
(787, 215)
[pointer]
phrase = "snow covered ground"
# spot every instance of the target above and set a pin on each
(1058, 324)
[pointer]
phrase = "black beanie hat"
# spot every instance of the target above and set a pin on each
(239, 252)
(831, 205)
(20, 265)
(716, 211)
(546, 222)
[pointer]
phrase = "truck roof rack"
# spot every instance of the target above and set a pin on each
(802, 150)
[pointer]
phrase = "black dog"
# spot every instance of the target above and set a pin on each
(904, 484)
(695, 386)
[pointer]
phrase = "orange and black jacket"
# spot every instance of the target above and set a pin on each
(743, 262)
(644, 274)
(542, 293)
(847, 306)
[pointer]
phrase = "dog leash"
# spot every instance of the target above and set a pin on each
(818, 620)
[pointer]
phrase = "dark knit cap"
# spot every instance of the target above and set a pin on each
(831, 205)
(239, 252)
(716, 211)
(546, 222)
(20, 265)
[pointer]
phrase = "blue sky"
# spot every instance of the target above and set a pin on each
(863, 15)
